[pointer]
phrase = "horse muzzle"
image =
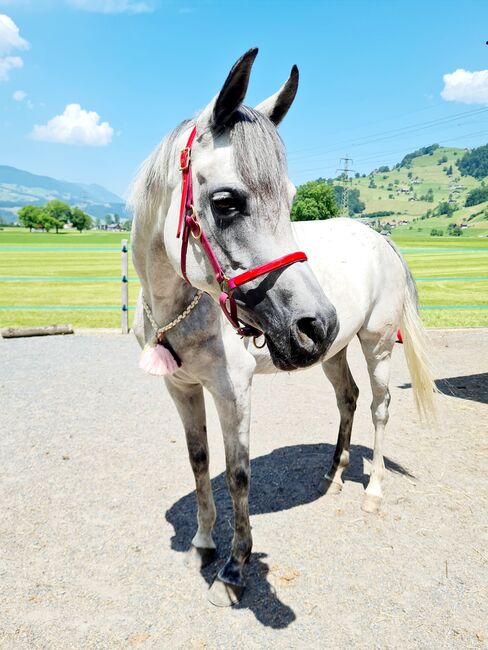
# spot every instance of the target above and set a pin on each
(304, 342)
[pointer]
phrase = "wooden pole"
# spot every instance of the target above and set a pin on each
(124, 292)
(47, 330)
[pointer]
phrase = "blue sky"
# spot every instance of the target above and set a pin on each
(371, 78)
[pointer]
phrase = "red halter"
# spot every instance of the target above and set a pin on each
(188, 223)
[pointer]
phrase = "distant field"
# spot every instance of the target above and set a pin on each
(92, 259)
(450, 271)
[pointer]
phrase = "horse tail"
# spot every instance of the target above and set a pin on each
(415, 346)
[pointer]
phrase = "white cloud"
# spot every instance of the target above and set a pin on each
(466, 87)
(114, 6)
(75, 126)
(19, 95)
(8, 63)
(10, 38)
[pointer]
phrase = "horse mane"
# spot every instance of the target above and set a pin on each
(149, 189)
(259, 156)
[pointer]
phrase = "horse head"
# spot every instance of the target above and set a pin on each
(243, 196)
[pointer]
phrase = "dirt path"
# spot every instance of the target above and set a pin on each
(98, 509)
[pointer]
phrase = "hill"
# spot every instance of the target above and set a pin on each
(19, 187)
(413, 190)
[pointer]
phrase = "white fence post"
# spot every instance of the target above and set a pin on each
(124, 292)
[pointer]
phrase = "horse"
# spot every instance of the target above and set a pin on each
(225, 208)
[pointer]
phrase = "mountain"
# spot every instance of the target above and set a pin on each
(18, 188)
(426, 189)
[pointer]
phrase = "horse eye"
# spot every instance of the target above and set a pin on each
(225, 203)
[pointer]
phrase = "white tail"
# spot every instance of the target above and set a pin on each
(415, 347)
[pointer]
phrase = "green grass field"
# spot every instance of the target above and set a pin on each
(448, 272)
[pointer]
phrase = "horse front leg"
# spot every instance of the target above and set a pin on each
(234, 406)
(338, 372)
(190, 403)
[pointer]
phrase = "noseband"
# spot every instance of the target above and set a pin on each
(189, 223)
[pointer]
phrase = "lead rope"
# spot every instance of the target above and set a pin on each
(158, 357)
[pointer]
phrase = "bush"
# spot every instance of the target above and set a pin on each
(377, 215)
(446, 208)
(436, 232)
(453, 230)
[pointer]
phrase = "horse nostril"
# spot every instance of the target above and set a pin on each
(310, 332)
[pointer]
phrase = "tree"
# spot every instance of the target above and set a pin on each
(116, 219)
(476, 196)
(356, 206)
(47, 221)
(29, 216)
(60, 211)
(314, 200)
(454, 230)
(80, 220)
(446, 208)
(475, 163)
(423, 151)
(429, 196)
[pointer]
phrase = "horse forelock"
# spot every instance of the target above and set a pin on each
(258, 154)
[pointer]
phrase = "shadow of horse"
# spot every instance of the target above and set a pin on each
(285, 478)
(471, 387)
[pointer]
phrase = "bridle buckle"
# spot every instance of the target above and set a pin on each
(225, 287)
(185, 158)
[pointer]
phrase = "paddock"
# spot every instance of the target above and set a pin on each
(99, 508)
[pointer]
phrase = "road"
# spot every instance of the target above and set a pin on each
(99, 509)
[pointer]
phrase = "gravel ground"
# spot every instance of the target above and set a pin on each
(98, 509)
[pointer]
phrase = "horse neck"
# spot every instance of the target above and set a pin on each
(164, 290)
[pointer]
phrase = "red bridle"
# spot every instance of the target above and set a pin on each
(188, 223)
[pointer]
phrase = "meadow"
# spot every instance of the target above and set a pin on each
(75, 278)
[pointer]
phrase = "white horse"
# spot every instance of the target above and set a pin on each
(354, 283)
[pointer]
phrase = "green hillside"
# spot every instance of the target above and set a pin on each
(404, 190)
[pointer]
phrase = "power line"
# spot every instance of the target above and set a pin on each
(389, 134)
(380, 156)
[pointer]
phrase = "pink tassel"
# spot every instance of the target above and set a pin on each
(158, 360)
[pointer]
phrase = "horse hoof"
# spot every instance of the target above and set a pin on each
(223, 594)
(330, 487)
(200, 557)
(371, 503)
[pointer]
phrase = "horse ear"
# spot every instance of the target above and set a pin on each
(232, 94)
(276, 106)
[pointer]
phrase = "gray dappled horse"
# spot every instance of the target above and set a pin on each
(354, 283)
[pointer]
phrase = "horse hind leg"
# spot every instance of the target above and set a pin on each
(378, 358)
(190, 403)
(337, 371)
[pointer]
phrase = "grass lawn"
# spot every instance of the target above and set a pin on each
(449, 272)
